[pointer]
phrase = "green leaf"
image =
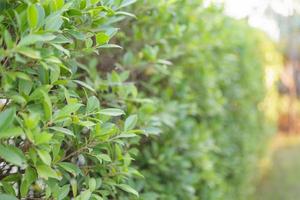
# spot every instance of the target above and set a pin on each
(34, 38)
(8, 40)
(29, 52)
(126, 3)
(46, 172)
(85, 195)
(67, 110)
(42, 138)
(93, 105)
(32, 16)
(11, 132)
(83, 84)
(7, 118)
(86, 123)
(70, 167)
(47, 106)
(128, 189)
(92, 184)
(7, 197)
(126, 135)
(130, 122)
(63, 192)
(12, 155)
(53, 22)
(29, 177)
(112, 112)
(125, 13)
(62, 130)
(104, 157)
(105, 46)
(74, 186)
(102, 38)
(45, 156)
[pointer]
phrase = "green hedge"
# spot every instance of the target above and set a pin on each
(190, 79)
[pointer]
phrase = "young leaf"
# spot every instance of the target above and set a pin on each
(46, 172)
(93, 105)
(47, 106)
(12, 155)
(34, 38)
(7, 118)
(129, 189)
(112, 112)
(45, 156)
(62, 130)
(70, 167)
(67, 110)
(130, 122)
(11, 132)
(83, 84)
(102, 38)
(29, 52)
(63, 192)
(42, 138)
(7, 197)
(32, 16)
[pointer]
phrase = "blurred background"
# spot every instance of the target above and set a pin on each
(280, 20)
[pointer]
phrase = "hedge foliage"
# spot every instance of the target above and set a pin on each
(173, 115)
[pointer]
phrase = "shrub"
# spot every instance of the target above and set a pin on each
(57, 141)
(190, 79)
(204, 71)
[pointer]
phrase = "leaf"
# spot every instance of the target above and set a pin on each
(110, 46)
(29, 177)
(112, 112)
(126, 3)
(64, 191)
(126, 135)
(45, 156)
(129, 189)
(86, 123)
(92, 184)
(130, 122)
(83, 84)
(46, 172)
(29, 52)
(34, 38)
(93, 105)
(22, 75)
(7, 197)
(11, 132)
(62, 130)
(12, 155)
(67, 110)
(8, 40)
(47, 106)
(53, 22)
(74, 186)
(32, 16)
(85, 195)
(7, 118)
(104, 157)
(42, 138)
(102, 38)
(125, 13)
(70, 167)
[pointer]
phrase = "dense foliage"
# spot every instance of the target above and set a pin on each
(190, 79)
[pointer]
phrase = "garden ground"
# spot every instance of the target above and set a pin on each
(281, 174)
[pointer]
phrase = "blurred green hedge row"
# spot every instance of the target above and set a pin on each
(125, 99)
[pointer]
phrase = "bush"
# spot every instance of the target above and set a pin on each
(204, 71)
(56, 140)
(190, 79)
